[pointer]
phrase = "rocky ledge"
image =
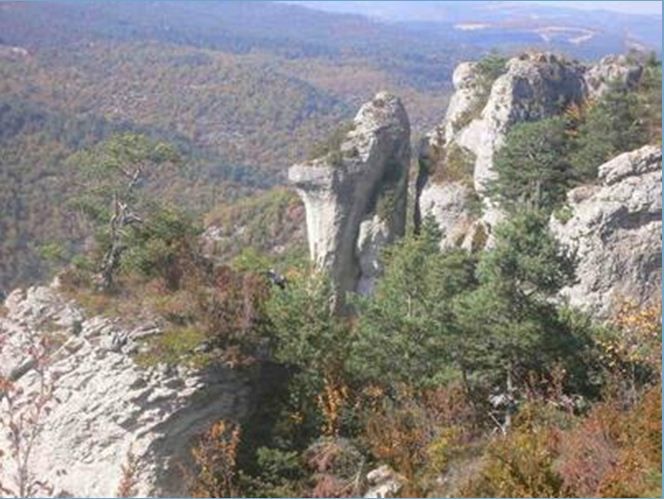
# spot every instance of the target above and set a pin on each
(459, 152)
(104, 404)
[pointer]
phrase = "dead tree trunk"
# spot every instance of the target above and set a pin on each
(121, 218)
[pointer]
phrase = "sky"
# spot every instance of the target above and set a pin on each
(631, 7)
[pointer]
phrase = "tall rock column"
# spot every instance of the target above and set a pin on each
(355, 194)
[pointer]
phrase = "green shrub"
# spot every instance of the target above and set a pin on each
(564, 214)
(532, 167)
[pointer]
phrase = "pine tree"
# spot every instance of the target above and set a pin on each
(615, 124)
(531, 167)
(406, 330)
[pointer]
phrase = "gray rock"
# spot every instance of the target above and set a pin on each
(384, 482)
(616, 69)
(104, 403)
(355, 198)
(534, 86)
(616, 233)
(449, 204)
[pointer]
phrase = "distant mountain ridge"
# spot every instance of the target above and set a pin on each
(587, 33)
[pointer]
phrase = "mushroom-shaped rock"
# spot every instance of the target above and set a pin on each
(355, 194)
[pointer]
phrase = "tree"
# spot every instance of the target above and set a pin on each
(613, 125)
(114, 172)
(510, 325)
(650, 98)
(308, 333)
(313, 341)
(531, 167)
(164, 245)
(407, 328)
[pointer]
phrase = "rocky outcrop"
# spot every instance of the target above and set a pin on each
(615, 230)
(355, 194)
(384, 482)
(104, 404)
(612, 69)
(533, 86)
(449, 204)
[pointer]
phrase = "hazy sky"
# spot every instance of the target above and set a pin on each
(637, 7)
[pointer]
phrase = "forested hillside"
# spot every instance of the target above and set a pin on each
(239, 99)
(243, 89)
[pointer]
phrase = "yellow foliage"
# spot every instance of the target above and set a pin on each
(215, 460)
(331, 402)
(638, 338)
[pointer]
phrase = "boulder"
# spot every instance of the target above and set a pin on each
(383, 482)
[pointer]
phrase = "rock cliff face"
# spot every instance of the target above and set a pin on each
(105, 404)
(533, 86)
(355, 197)
(615, 229)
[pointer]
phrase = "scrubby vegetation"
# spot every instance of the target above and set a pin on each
(478, 384)
(239, 104)
(461, 372)
(456, 164)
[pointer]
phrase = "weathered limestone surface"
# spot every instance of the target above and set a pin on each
(104, 404)
(534, 86)
(616, 232)
(612, 69)
(355, 198)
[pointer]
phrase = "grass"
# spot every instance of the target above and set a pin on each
(457, 164)
(175, 346)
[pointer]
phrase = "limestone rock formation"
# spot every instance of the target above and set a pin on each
(105, 404)
(449, 204)
(534, 86)
(355, 195)
(615, 230)
(459, 152)
(384, 482)
(616, 69)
